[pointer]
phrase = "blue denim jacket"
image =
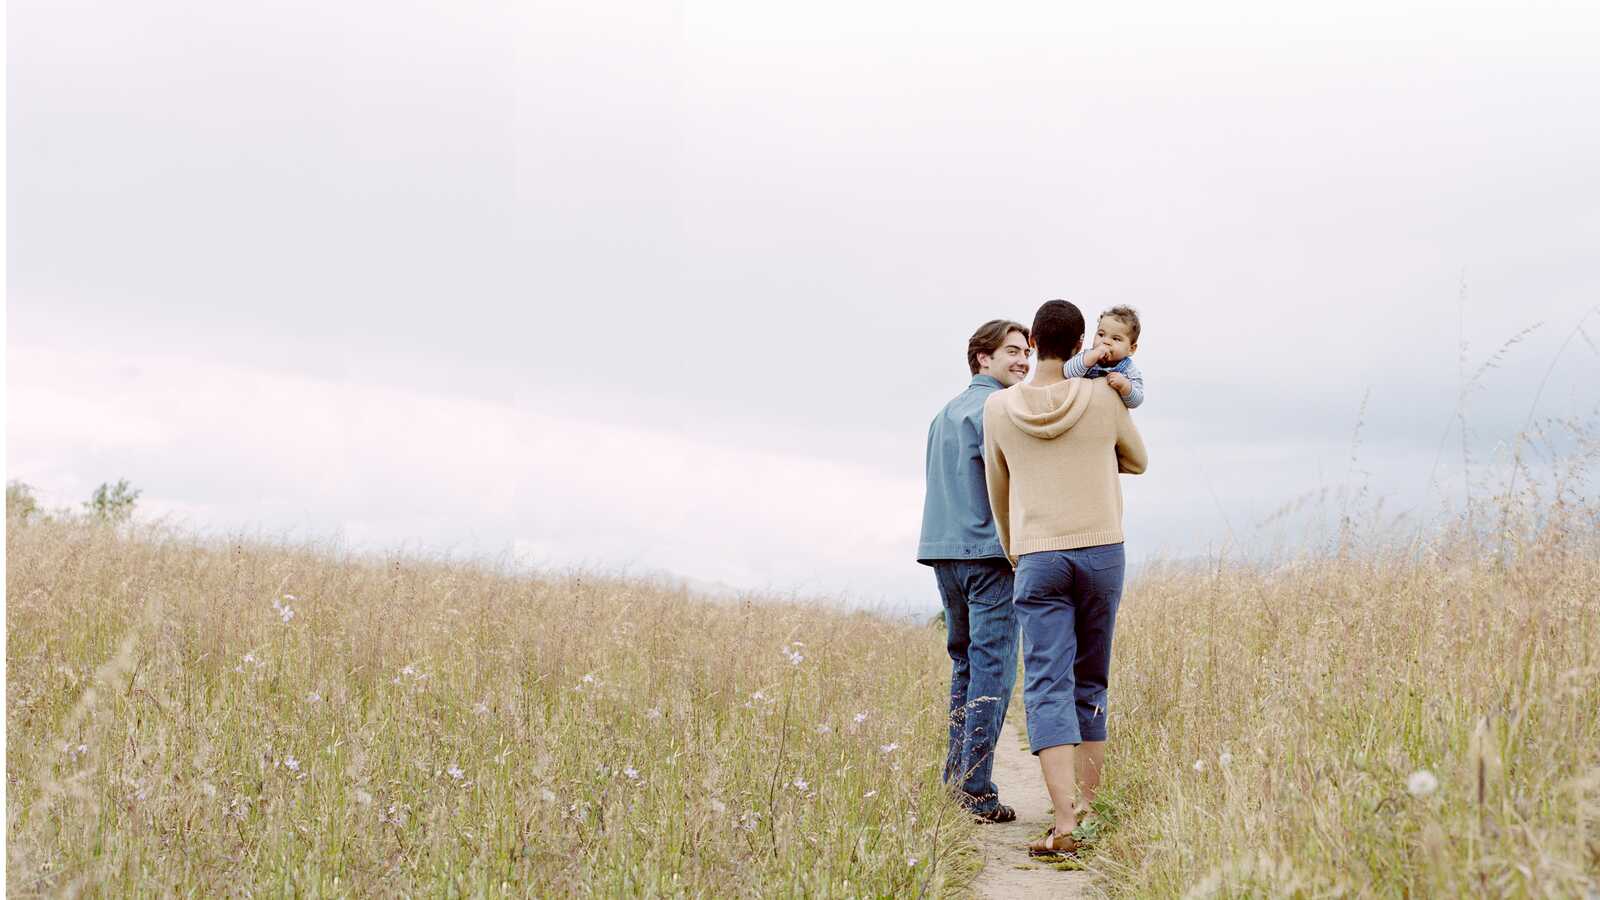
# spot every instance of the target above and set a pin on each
(956, 521)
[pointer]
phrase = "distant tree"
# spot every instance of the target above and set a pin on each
(20, 502)
(112, 503)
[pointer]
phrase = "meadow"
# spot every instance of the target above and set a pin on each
(1419, 720)
(1400, 713)
(221, 720)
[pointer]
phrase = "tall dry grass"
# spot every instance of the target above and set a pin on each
(1401, 713)
(1404, 714)
(209, 720)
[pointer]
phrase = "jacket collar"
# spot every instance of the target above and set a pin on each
(986, 381)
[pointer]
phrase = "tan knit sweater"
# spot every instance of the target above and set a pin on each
(1051, 456)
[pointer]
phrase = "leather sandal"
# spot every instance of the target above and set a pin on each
(1000, 813)
(1052, 843)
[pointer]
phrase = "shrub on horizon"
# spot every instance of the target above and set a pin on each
(21, 505)
(111, 503)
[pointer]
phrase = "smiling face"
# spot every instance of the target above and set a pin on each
(1009, 363)
(1114, 335)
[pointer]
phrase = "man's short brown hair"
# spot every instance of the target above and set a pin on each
(989, 337)
(1128, 316)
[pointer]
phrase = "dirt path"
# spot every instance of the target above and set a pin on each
(1008, 873)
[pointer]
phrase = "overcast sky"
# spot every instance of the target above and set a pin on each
(678, 287)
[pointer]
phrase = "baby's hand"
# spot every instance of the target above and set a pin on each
(1119, 383)
(1093, 355)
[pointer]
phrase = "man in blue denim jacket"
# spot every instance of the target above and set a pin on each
(974, 576)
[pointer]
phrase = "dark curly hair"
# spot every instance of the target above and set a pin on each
(1057, 329)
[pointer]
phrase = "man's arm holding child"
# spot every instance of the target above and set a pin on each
(1131, 457)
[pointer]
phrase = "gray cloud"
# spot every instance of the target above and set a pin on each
(771, 232)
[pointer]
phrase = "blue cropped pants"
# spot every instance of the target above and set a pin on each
(1067, 602)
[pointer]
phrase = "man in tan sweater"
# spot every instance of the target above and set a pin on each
(1052, 451)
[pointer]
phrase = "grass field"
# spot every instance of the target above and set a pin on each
(1421, 723)
(207, 721)
(1389, 718)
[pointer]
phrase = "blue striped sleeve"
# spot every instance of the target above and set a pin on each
(1136, 384)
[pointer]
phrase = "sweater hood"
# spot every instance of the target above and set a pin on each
(1048, 412)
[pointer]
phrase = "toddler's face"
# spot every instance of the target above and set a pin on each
(1112, 334)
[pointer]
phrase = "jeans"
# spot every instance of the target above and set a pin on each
(1067, 601)
(981, 633)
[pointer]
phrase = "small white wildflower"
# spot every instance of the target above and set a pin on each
(889, 748)
(409, 671)
(1199, 765)
(870, 794)
(1422, 783)
(1225, 760)
(631, 773)
(313, 697)
(548, 795)
(802, 784)
(454, 772)
(758, 696)
(797, 644)
(250, 658)
(911, 862)
(588, 678)
(291, 598)
(292, 764)
(824, 729)
(482, 709)
(286, 613)
(860, 717)
(718, 806)
(795, 657)
(654, 713)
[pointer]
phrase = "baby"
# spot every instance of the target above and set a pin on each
(1111, 355)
